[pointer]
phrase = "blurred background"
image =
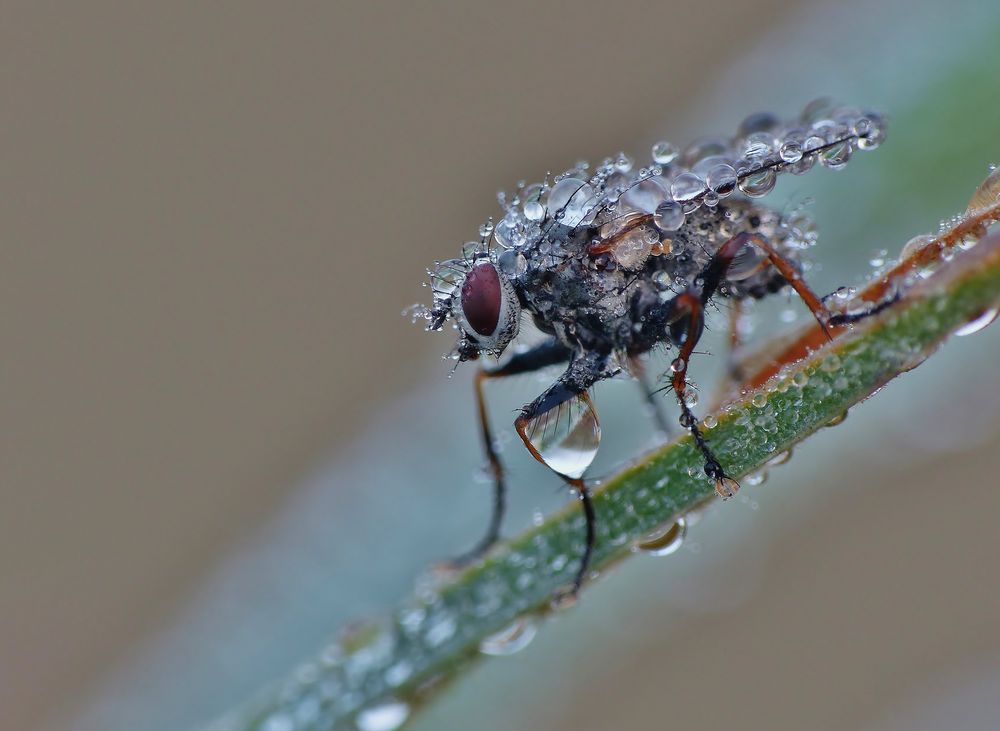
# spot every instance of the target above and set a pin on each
(220, 441)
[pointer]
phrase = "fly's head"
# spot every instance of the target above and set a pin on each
(479, 297)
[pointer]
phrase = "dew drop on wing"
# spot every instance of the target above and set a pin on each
(566, 437)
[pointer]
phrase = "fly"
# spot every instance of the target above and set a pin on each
(615, 263)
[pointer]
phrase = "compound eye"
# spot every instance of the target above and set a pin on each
(490, 311)
(482, 298)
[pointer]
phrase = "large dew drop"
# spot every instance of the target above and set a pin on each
(566, 437)
(570, 201)
(645, 195)
(510, 639)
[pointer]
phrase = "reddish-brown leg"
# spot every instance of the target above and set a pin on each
(785, 267)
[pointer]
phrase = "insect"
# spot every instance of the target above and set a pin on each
(613, 263)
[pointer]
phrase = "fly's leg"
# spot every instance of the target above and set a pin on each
(847, 318)
(545, 354)
(824, 316)
(566, 411)
(686, 320)
(724, 257)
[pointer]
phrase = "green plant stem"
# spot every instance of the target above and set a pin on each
(437, 630)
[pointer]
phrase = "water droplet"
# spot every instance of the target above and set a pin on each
(982, 320)
(686, 188)
(711, 422)
(511, 639)
(677, 365)
(838, 419)
(645, 195)
(386, 716)
(471, 250)
(759, 182)
(669, 216)
(721, 179)
(726, 487)
(758, 145)
(398, 673)
(914, 245)
(441, 631)
(988, 193)
(759, 400)
(836, 156)
(534, 211)
(486, 229)
(447, 277)
(830, 363)
(790, 151)
(664, 153)
(665, 541)
(623, 163)
(870, 130)
(512, 263)
(780, 459)
(567, 436)
(756, 478)
(570, 201)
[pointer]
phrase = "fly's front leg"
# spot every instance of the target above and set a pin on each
(545, 354)
(561, 430)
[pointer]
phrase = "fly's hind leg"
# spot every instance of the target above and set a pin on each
(686, 321)
(560, 429)
(826, 317)
(550, 352)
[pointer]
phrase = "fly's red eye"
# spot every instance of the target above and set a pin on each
(482, 298)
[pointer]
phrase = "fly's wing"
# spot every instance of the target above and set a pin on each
(678, 182)
(748, 163)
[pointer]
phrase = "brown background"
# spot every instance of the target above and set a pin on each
(211, 216)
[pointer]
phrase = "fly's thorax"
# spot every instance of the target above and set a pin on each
(575, 297)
